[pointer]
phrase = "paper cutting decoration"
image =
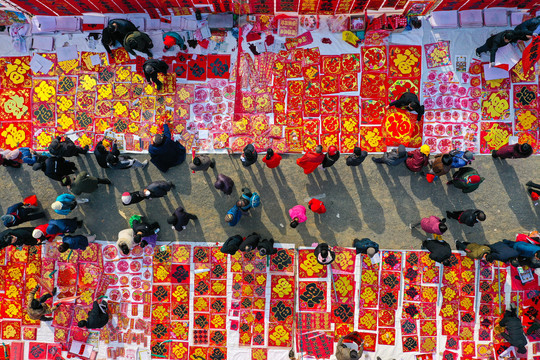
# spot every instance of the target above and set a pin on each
(438, 54)
(373, 86)
(405, 61)
(496, 105)
(219, 66)
(312, 296)
(14, 135)
(374, 58)
(197, 70)
(401, 127)
(525, 96)
(493, 135)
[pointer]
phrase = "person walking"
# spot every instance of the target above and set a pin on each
(332, 155)
(249, 155)
(165, 152)
(232, 245)
(158, 189)
(514, 329)
(233, 215)
(130, 198)
(366, 246)
(500, 251)
(142, 229)
(248, 200)
(439, 251)
(431, 225)
(317, 206)
(65, 147)
(202, 163)
(117, 161)
(97, 317)
(467, 179)
(250, 242)
(75, 242)
(55, 168)
(126, 241)
(298, 215)
(266, 247)
(393, 157)
(409, 101)
(461, 158)
(358, 156)
(311, 160)
(224, 183)
(501, 39)
(39, 309)
(272, 160)
(472, 250)
(84, 183)
(180, 218)
(417, 159)
(66, 203)
(468, 217)
(137, 40)
(516, 151)
(440, 165)
(17, 237)
(324, 254)
(19, 213)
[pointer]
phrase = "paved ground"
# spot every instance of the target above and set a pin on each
(372, 201)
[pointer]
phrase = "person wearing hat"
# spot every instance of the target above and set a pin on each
(358, 156)
(441, 164)
(461, 158)
(272, 160)
(65, 147)
(64, 204)
(38, 309)
(500, 251)
(171, 38)
(468, 217)
(366, 246)
(431, 225)
(350, 346)
(84, 183)
(151, 68)
(298, 215)
(515, 151)
(232, 245)
(472, 250)
(101, 152)
(311, 160)
(409, 101)
(129, 198)
(165, 152)
(224, 183)
(142, 229)
(393, 157)
(331, 157)
(137, 40)
(126, 241)
(525, 249)
(514, 329)
(249, 155)
(250, 242)
(180, 218)
(54, 167)
(266, 247)
(467, 179)
(117, 161)
(18, 213)
(116, 31)
(40, 233)
(202, 163)
(324, 254)
(417, 159)
(533, 237)
(439, 251)
(75, 242)
(233, 215)
(97, 317)
(158, 189)
(17, 237)
(317, 206)
(248, 200)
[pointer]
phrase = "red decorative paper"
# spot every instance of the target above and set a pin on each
(11, 330)
(14, 135)
(374, 59)
(329, 139)
(387, 336)
(16, 72)
(397, 87)
(196, 70)
(331, 65)
(308, 267)
(401, 127)
(372, 139)
(348, 142)
(351, 63)
(329, 84)
(525, 96)
(405, 61)
(312, 107)
(493, 135)
(330, 124)
(330, 105)
(350, 125)
(282, 287)
(373, 86)
(219, 66)
(367, 319)
(496, 105)
(349, 82)
(312, 295)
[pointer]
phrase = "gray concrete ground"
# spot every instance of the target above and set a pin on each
(372, 201)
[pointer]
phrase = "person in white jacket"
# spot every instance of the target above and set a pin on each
(125, 241)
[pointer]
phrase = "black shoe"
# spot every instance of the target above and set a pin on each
(494, 154)
(530, 183)
(79, 223)
(213, 164)
(54, 291)
(172, 185)
(194, 217)
(106, 181)
(448, 214)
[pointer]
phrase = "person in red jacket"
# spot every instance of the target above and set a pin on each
(418, 158)
(40, 233)
(515, 151)
(311, 160)
(271, 159)
(317, 206)
(431, 225)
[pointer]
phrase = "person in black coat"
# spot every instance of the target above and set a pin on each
(129, 198)
(97, 317)
(158, 189)
(101, 152)
(232, 245)
(440, 250)
(249, 155)
(514, 330)
(332, 155)
(55, 167)
(493, 43)
(529, 27)
(180, 218)
(393, 157)
(266, 247)
(357, 157)
(501, 252)
(224, 183)
(165, 152)
(151, 68)
(324, 255)
(65, 147)
(116, 31)
(141, 229)
(410, 102)
(250, 243)
(19, 213)
(17, 237)
(468, 217)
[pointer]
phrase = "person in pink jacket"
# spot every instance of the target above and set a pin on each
(298, 215)
(432, 225)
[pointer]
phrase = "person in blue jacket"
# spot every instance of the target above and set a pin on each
(62, 226)
(461, 158)
(19, 213)
(524, 249)
(165, 152)
(233, 216)
(64, 204)
(248, 200)
(171, 38)
(75, 242)
(366, 246)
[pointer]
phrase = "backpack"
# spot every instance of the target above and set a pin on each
(255, 200)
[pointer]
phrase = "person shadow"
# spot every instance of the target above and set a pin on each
(372, 211)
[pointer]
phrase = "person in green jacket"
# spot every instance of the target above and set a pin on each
(472, 250)
(140, 41)
(83, 183)
(467, 179)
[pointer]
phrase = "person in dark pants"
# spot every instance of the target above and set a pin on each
(500, 251)
(97, 317)
(101, 152)
(19, 213)
(202, 163)
(250, 243)
(468, 217)
(439, 251)
(409, 101)
(393, 157)
(266, 247)
(62, 226)
(472, 250)
(129, 198)
(165, 152)
(65, 147)
(324, 254)
(139, 41)
(233, 215)
(54, 167)
(249, 155)
(417, 159)
(529, 27)
(431, 225)
(141, 228)
(116, 31)
(75, 242)
(514, 330)
(366, 246)
(516, 151)
(357, 157)
(17, 237)
(224, 183)
(467, 179)
(332, 155)
(232, 245)
(272, 160)
(83, 183)
(152, 68)
(158, 189)
(180, 218)
(493, 43)
(117, 161)
(171, 38)
(38, 309)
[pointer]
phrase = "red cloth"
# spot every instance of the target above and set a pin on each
(509, 152)
(355, 336)
(310, 161)
(273, 162)
(317, 206)
(525, 238)
(534, 196)
(43, 229)
(431, 225)
(31, 200)
(416, 160)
